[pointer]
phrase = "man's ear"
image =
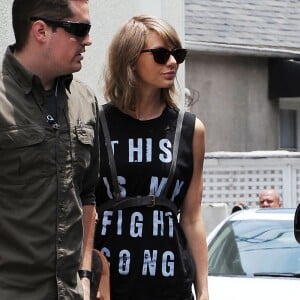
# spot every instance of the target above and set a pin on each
(39, 30)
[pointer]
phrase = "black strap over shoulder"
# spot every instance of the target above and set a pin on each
(111, 160)
(150, 200)
(175, 153)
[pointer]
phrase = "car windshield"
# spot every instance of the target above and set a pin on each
(255, 248)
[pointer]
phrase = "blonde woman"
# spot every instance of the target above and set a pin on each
(151, 255)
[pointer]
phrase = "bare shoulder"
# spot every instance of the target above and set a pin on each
(199, 130)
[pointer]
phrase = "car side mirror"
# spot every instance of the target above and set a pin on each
(239, 206)
(297, 224)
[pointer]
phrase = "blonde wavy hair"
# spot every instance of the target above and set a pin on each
(125, 48)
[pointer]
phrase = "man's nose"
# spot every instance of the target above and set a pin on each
(87, 41)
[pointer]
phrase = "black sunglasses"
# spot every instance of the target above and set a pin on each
(162, 55)
(75, 28)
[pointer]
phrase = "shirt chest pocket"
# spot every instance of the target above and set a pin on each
(83, 140)
(21, 151)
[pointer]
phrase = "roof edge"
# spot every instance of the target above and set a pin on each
(227, 49)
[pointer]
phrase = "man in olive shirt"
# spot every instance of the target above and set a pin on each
(49, 154)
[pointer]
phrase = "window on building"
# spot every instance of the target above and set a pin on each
(288, 129)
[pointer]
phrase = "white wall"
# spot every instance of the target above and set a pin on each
(233, 177)
(6, 36)
(106, 16)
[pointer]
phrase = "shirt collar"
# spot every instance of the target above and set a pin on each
(25, 78)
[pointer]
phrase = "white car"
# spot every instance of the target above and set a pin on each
(253, 254)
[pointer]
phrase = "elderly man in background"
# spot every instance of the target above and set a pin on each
(269, 199)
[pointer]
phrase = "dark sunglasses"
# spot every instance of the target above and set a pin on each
(162, 55)
(75, 28)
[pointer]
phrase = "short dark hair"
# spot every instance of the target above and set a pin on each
(22, 10)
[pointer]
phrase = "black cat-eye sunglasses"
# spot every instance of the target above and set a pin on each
(162, 55)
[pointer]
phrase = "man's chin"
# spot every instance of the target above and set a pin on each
(77, 68)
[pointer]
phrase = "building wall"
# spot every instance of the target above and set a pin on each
(233, 177)
(106, 17)
(230, 95)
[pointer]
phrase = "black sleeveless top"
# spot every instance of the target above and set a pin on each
(145, 246)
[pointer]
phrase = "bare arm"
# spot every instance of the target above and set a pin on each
(89, 219)
(191, 217)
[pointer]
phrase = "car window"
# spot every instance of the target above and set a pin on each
(254, 246)
(224, 256)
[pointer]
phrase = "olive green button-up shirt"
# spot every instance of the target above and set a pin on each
(48, 170)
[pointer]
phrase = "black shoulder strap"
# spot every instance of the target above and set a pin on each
(111, 159)
(175, 153)
(140, 200)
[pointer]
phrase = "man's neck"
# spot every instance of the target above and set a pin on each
(32, 65)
